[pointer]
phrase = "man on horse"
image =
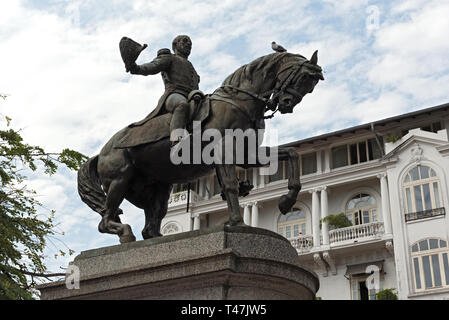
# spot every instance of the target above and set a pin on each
(180, 78)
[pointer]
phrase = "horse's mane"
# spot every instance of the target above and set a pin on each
(265, 63)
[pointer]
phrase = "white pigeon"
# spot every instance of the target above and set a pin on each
(277, 47)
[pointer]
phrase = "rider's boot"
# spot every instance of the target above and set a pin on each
(178, 123)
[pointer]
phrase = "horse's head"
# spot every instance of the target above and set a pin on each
(296, 78)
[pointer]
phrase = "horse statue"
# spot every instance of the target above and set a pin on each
(142, 172)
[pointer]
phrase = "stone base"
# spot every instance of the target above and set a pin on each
(222, 263)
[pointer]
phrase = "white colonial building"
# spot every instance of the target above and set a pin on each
(389, 178)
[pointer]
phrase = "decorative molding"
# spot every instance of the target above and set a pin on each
(171, 227)
(320, 263)
(417, 153)
(390, 247)
(195, 215)
(444, 150)
(330, 261)
(381, 175)
(256, 204)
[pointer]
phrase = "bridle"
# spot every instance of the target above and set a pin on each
(280, 88)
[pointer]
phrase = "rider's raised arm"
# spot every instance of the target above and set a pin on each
(160, 63)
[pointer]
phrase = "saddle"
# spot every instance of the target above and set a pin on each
(158, 128)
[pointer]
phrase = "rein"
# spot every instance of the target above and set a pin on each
(256, 96)
(274, 93)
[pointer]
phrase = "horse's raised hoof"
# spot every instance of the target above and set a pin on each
(286, 203)
(127, 238)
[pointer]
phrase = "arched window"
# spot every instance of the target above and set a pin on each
(362, 208)
(293, 224)
(170, 228)
(422, 193)
(430, 264)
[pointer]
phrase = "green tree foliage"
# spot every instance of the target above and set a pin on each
(23, 232)
(387, 294)
(337, 221)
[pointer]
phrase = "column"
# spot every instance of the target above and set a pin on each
(196, 221)
(255, 215)
(256, 177)
(315, 218)
(446, 126)
(327, 160)
(261, 178)
(319, 168)
(324, 213)
(385, 202)
(202, 189)
(246, 214)
(208, 187)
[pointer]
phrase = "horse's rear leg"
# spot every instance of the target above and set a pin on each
(155, 210)
(110, 222)
(228, 177)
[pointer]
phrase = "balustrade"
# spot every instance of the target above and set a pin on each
(356, 232)
(302, 243)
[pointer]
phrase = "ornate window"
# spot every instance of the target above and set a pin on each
(280, 173)
(307, 164)
(430, 264)
(362, 208)
(422, 193)
(170, 228)
(354, 153)
(293, 224)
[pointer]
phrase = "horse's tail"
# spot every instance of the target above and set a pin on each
(89, 186)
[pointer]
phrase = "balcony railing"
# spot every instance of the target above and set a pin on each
(302, 243)
(425, 214)
(179, 198)
(356, 232)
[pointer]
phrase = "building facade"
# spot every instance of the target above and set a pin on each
(388, 179)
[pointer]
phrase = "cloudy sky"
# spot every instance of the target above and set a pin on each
(67, 86)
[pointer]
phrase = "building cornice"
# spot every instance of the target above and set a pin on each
(274, 190)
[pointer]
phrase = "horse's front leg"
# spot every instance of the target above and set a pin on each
(227, 175)
(291, 157)
(294, 185)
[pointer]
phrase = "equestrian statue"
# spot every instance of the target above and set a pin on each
(137, 164)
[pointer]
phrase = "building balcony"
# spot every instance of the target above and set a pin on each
(424, 214)
(302, 244)
(180, 198)
(364, 232)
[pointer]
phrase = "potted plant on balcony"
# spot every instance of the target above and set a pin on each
(337, 221)
(387, 294)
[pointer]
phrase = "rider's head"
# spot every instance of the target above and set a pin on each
(182, 45)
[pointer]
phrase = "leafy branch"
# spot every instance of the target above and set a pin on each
(23, 231)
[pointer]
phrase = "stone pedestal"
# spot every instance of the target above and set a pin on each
(222, 263)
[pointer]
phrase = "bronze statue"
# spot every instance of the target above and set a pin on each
(135, 163)
(180, 78)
